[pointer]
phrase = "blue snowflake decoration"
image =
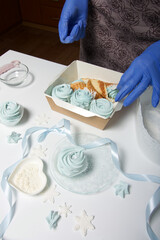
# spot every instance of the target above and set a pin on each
(122, 189)
(14, 137)
(53, 219)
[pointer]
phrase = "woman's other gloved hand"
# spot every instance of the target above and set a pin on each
(144, 71)
(73, 20)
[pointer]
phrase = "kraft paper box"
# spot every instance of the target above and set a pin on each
(74, 71)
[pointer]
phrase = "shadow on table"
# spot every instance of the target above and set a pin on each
(25, 116)
(120, 116)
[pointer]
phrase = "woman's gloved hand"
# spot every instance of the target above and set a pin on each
(73, 20)
(144, 71)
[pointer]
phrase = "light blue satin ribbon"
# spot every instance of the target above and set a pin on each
(63, 127)
(12, 203)
(154, 201)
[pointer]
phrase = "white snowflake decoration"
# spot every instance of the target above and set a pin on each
(64, 210)
(38, 151)
(42, 119)
(84, 223)
(51, 194)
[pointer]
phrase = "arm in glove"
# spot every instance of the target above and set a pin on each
(144, 71)
(73, 20)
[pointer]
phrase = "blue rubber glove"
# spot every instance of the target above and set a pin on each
(143, 71)
(73, 20)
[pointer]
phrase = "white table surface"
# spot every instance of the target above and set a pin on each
(115, 218)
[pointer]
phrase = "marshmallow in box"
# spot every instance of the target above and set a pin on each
(77, 70)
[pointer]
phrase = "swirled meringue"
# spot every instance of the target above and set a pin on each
(78, 80)
(102, 107)
(72, 161)
(62, 91)
(10, 113)
(81, 98)
(112, 91)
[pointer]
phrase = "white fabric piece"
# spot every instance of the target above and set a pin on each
(148, 127)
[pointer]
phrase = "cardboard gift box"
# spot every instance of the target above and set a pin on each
(76, 70)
